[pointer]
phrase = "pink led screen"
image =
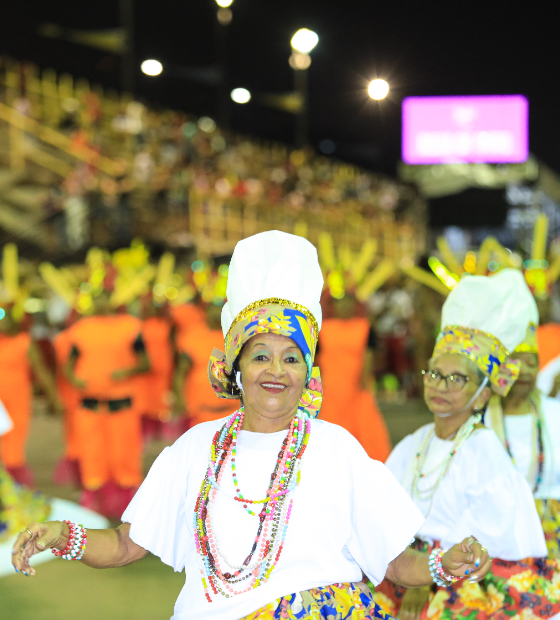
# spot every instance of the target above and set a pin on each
(443, 130)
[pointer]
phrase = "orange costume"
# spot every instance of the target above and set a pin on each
(342, 348)
(107, 417)
(201, 400)
(186, 318)
(16, 393)
(67, 469)
(156, 384)
(548, 340)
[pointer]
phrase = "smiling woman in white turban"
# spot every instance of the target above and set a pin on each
(271, 512)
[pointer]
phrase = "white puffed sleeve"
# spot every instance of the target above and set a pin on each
(501, 514)
(385, 519)
(157, 512)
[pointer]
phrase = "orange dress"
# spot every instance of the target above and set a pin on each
(548, 341)
(16, 393)
(110, 443)
(343, 344)
(202, 403)
(67, 393)
(156, 384)
(187, 317)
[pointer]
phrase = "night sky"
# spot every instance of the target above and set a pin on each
(419, 48)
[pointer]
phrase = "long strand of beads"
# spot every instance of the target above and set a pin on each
(462, 435)
(273, 517)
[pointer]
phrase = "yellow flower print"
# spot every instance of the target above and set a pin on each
(522, 582)
(437, 605)
(472, 596)
(495, 599)
(552, 588)
(385, 603)
(344, 601)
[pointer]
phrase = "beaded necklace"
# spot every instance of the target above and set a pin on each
(462, 435)
(274, 515)
(537, 414)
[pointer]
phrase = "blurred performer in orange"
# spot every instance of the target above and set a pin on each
(67, 470)
(346, 351)
(19, 357)
(193, 392)
(157, 332)
(107, 354)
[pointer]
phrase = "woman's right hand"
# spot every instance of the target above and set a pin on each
(413, 603)
(36, 538)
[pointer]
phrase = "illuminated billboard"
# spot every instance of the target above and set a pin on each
(485, 129)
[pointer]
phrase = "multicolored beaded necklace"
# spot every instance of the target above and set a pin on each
(418, 469)
(274, 515)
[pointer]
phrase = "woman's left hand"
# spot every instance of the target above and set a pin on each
(467, 559)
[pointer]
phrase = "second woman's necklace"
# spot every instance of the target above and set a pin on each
(420, 460)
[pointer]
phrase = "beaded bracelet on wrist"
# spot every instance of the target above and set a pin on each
(76, 545)
(439, 576)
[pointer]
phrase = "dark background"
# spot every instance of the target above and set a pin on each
(419, 48)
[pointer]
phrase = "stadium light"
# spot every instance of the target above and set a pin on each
(304, 40)
(151, 67)
(378, 89)
(224, 3)
(240, 95)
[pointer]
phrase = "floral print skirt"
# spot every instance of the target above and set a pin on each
(524, 590)
(18, 506)
(549, 512)
(341, 601)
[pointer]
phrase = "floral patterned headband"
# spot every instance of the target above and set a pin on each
(529, 344)
(274, 316)
(486, 351)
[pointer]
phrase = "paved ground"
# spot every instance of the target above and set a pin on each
(143, 591)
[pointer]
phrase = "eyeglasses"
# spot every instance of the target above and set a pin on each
(454, 382)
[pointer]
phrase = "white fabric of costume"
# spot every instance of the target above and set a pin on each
(520, 431)
(6, 423)
(349, 514)
(482, 495)
(492, 305)
(273, 264)
(546, 376)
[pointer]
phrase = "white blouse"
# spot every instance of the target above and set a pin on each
(482, 495)
(349, 515)
(520, 432)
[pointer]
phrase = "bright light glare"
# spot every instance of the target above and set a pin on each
(304, 40)
(241, 95)
(378, 89)
(151, 67)
(224, 3)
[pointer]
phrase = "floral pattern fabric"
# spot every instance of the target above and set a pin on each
(524, 590)
(341, 601)
(273, 319)
(487, 352)
(19, 506)
(549, 512)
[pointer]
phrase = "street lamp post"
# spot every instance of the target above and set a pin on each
(302, 42)
(224, 17)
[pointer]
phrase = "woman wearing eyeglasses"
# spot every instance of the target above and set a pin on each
(458, 473)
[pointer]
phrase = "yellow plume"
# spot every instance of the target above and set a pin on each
(376, 278)
(448, 257)
(539, 237)
(10, 268)
(58, 283)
